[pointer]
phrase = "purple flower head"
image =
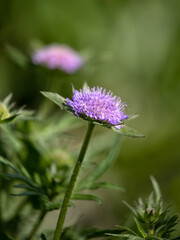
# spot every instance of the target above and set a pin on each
(99, 106)
(58, 56)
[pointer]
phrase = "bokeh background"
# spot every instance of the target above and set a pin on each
(133, 48)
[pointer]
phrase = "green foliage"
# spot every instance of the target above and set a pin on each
(152, 219)
(40, 163)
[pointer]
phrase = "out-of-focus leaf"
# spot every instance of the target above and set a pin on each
(103, 166)
(132, 117)
(127, 236)
(27, 193)
(140, 229)
(131, 208)
(4, 236)
(156, 188)
(25, 186)
(128, 230)
(7, 99)
(155, 238)
(9, 164)
(16, 55)
(9, 119)
(105, 185)
(43, 237)
(129, 132)
(103, 233)
(86, 197)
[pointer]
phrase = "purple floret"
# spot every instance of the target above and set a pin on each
(98, 105)
(58, 56)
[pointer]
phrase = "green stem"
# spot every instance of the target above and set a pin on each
(36, 225)
(72, 182)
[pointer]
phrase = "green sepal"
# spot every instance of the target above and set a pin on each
(127, 131)
(89, 197)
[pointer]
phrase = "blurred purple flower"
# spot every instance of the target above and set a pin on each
(98, 105)
(57, 56)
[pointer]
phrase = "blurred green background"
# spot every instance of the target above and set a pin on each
(133, 47)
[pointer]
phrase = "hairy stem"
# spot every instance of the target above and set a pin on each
(72, 182)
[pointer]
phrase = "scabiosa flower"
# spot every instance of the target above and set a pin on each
(99, 106)
(57, 56)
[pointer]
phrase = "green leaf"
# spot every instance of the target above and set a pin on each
(103, 166)
(56, 98)
(9, 164)
(155, 238)
(3, 236)
(26, 186)
(26, 193)
(127, 236)
(102, 233)
(20, 177)
(156, 188)
(130, 207)
(17, 56)
(7, 99)
(132, 116)
(128, 230)
(140, 229)
(9, 119)
(105, 185)
(129, 132)
(86, 197)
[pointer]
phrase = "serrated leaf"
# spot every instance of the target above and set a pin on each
(105, 185)
(86, 197)
(129, 132)
(140, 229)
